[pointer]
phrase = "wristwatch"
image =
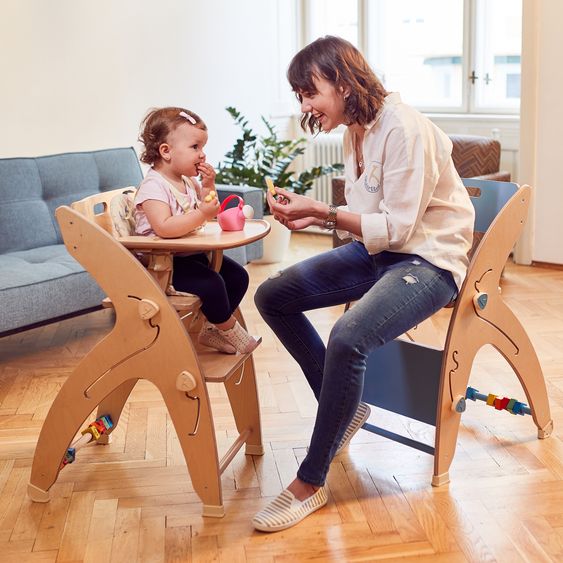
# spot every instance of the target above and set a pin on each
(330, 221)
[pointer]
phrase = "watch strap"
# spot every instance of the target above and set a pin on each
(330, 221)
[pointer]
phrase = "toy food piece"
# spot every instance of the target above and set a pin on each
(212, 194)
(248, 211)
(271, 187)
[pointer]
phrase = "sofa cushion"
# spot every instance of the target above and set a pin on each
(25, 220)
(32, 188)
(43, 283)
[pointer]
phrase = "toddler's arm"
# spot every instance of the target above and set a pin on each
(166, 225)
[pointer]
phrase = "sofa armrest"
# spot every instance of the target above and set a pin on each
(500, 176)
(254, 197)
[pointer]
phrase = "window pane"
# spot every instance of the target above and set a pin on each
(498, 47)
(333, 17)
(416, 49)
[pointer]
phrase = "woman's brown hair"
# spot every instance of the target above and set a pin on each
(158, 124)
(339, 62)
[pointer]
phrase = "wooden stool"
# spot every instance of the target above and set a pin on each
(416, 377)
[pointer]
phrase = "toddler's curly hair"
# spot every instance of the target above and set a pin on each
(158, 124)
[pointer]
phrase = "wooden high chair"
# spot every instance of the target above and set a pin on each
(417, 377)
(150, 340)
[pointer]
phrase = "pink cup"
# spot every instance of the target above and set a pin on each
(231, 219)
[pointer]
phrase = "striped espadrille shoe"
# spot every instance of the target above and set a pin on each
(286, 511)
(362, 414)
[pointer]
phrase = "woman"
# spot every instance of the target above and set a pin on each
(412, 222)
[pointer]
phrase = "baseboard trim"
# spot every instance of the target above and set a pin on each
(547, 265)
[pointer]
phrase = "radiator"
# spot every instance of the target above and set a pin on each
(322, 150)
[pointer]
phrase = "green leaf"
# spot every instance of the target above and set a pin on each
(254, 157)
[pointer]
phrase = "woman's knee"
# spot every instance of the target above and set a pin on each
(264, 297)
(343, 337)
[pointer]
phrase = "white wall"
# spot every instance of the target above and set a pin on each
(541, 142)
(80, 75)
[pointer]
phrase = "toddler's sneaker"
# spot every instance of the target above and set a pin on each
(212, 337)
(237, 337)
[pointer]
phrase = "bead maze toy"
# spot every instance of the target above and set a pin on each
(152, 340)
(422, 378)
(94, 431)
(511, 405)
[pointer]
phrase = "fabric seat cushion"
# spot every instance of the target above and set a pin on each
(37, 282)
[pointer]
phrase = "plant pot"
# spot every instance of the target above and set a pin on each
(276, 242)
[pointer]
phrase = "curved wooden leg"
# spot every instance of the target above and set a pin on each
(196, 435)
(67, 413)
(69, 410)
(455, 377)
(524, 361)
(243, 396)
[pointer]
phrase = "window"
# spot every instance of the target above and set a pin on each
(441, 55)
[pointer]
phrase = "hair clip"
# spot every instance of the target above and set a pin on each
(190, 118)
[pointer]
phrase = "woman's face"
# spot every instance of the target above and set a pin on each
(326, 104)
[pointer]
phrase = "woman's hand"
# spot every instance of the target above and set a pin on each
(298, 224)
(207, 173)
(296, 211)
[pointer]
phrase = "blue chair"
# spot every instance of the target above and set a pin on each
(428, 382)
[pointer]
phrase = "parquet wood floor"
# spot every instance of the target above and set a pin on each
(133, 501)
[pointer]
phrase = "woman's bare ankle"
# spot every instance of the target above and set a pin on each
(302, 490)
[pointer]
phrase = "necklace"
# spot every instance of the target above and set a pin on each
(359, 153)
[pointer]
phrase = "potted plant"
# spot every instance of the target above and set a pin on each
(254, 157)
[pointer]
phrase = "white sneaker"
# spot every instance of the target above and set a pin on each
(212, 337)
(362, 414)
(286, 511)
(237, 337)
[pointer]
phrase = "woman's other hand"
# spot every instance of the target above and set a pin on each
(296, 211)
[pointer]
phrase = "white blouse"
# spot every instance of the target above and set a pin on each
(410, 196)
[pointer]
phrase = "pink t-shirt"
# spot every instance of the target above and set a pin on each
(155, 186)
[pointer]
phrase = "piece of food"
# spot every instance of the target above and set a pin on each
(271, 187)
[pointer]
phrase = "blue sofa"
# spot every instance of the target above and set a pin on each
(39, 281)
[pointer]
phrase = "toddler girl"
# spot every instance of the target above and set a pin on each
(170, 203)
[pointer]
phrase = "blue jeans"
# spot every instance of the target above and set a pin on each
(394, 292)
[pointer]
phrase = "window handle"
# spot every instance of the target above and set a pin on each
(473, 77)
(487, 79)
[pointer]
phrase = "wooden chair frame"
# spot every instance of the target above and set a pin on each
(149, 341)
(416, 377)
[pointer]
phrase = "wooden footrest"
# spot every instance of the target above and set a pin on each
(181, 303)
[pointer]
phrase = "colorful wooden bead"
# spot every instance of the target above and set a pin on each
(491, 399)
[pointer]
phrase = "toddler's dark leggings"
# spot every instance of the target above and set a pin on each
(220, 292)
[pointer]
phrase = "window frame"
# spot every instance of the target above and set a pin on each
(469, 91)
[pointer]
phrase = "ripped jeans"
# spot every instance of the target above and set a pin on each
(394, 292)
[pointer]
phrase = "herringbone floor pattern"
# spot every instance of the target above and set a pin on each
(132, 500)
